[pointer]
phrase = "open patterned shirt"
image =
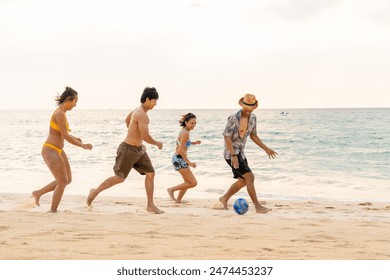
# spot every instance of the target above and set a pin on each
(232, 131)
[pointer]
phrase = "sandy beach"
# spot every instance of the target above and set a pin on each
(119, 228)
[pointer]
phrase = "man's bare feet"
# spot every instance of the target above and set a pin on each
(154, 209)
(224, 202)
(171, 196)
(89, 198)
(36, 195)
(262, 210)
(52, 211)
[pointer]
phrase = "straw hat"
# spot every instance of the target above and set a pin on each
(248, 100)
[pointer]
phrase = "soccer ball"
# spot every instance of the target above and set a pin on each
(241, 206)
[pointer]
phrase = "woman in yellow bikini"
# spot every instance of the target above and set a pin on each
(52, 150)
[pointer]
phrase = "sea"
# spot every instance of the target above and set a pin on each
(324, 154)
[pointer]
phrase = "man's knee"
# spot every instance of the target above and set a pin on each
(118, 180)
(249, 178)
(150, 175)
(62, 182)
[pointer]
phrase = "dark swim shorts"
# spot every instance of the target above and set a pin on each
(129, 157)
(242, 169)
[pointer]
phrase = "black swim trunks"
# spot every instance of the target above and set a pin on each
(242, 169)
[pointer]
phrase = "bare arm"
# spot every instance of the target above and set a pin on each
(143, 126)
(61, 122)
(184, 137)
(271, 153)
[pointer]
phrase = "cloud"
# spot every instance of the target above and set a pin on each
(213, 50)
(290, 9)
(196, 4)
(300, 9)
(378, 12)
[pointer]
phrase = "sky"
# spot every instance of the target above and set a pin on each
(198, 54)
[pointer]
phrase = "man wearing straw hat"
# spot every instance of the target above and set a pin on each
(239, 126)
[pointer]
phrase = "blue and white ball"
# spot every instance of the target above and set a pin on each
(241, 206)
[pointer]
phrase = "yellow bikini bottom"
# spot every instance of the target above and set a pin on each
(53, 147)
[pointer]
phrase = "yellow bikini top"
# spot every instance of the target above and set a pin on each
(55, 126)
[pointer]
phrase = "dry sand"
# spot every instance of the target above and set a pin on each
(119, 228)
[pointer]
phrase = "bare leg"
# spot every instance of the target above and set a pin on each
(234, 188)
(58, 192)
(182, 188)
(38, 193)
(108, 183)
(189, 182)
(61, 170)
(59, 167)
(180, 195)
(57, 195)
(171, 195)
(250, 178)
(149, 187)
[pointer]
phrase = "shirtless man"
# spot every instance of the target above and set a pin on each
(240, 125)
(132, 154)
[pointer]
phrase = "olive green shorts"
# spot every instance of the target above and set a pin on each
(129, 157)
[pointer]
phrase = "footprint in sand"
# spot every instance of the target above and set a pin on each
(3, 228)
(123, 203)
(310, 225)
(282, 205)
(218, 206)
(268, 249)
(365, 204)
(371, 209)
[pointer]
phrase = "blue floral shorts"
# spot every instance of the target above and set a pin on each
(178, 162)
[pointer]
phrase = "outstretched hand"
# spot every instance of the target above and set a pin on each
(271, 153)
(87, 146)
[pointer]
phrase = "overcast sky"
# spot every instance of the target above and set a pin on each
(198, 54)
